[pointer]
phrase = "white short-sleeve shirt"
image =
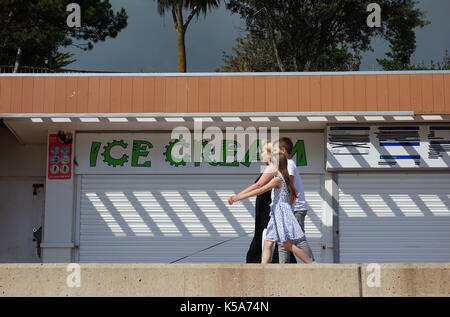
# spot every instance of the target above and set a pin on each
(300, 203)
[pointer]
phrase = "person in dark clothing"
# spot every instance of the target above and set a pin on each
(262, 216)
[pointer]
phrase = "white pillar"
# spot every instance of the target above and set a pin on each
(329, 193)
(57, 242)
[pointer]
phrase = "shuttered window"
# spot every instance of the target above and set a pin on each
(394, 217)
(183, 218)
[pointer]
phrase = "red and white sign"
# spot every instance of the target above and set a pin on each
(59, 158)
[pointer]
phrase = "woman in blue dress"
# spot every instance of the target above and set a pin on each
(283, 226)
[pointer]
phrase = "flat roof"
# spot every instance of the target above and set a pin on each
(220, 74)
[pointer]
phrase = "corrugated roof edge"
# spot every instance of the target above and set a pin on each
(223, 74)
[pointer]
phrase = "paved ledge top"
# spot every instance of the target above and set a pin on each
(222, 265)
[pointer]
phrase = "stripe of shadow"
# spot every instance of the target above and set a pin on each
(446, 157)
(361, 160)
(216, 244)
(118, 217)
(393, 205)
(363, 205)
(316, 220)
(144, 214)
(419, 202)
(332, 160)
(445, 198)
(249, 206)
(198, 211)
(412, 151)
(171, 213)
(226, 212)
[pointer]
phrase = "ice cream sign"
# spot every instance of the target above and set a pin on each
(119, 153)
(158, 153)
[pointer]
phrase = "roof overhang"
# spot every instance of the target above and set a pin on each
(33, 128)
(281, 117)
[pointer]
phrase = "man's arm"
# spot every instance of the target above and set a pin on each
(291, 171)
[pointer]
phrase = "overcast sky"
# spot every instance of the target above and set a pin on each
(148, 44)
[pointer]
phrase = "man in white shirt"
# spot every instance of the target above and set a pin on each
(301, 207)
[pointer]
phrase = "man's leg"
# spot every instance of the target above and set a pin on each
(283, 254)
(303, 244)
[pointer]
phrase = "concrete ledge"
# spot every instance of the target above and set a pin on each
(181, 280)
(226, 280)
(406, 280)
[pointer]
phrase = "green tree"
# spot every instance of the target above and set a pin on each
(251, 54)
(442, 65)
(402, 21)
(307, 35)
(176, 7)
(33, 30)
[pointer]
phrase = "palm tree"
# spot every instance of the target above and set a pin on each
(196, 7)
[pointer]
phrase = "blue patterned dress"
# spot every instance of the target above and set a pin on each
(282, 225)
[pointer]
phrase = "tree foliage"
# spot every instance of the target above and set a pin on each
(401, 34)
(251, 54)
(317, 35)
(38, 28)
(439, 65)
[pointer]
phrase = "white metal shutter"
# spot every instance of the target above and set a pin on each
(312, 185)
(162, 218)
(394, 217)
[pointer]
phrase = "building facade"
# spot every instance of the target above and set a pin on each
(89, 171)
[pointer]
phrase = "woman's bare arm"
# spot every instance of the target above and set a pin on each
(265, 178)
(275, 182)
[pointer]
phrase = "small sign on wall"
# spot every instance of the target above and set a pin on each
(60, 156)
(388, 146)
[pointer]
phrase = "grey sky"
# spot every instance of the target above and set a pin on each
(148, 44)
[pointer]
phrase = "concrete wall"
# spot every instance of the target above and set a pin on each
(20, 211)
(222, 280)
(180, 280)
(21, 166)
(22, 160)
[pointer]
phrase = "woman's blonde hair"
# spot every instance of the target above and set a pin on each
(266, 153)
(267, 147)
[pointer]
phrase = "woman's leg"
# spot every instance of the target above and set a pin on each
(288, 245)
(267, 254)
